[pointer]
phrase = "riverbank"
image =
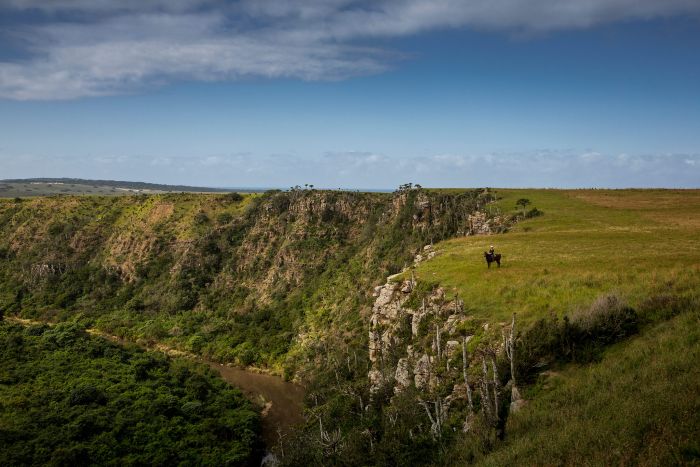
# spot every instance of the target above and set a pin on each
(281, 401)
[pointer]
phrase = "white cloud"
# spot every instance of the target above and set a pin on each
(367, 169)
(98, 47)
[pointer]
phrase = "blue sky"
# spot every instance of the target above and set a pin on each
(343, 93)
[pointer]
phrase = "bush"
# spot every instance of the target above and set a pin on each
(86, 394)
(534, 212)
(582, 338)
(201, 218)
(224, 218)
(56, 228)
(233, 197)
(608, 319)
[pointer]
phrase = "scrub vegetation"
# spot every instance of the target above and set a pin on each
(67, 398)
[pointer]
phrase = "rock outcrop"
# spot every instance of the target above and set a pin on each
(400, 358)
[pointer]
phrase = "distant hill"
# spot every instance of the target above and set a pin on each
(79, 186)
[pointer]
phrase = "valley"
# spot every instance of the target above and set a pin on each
(293, 285)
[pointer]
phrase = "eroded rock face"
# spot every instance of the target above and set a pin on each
(389, 315)
(403, 375)
(385, 323)
(422, 372)
(481, 224)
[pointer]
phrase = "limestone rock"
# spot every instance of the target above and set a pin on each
(375, 346)
(438, 296)
(515, 406)
(403, 375)
(376, 379)
(453, 321)
(422, 372)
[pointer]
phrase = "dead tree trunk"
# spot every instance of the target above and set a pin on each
(496, 388)
(437, 419)
(470, 404)
(510, 351)
(437, 340)
(484, 391)
(464, 372)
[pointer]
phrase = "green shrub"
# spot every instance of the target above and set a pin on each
(224, 218)
(607, 320)
(86, 394)
(233, 197)
(201, 218)
(534, 212)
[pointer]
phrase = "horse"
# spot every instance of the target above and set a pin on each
(490, 258)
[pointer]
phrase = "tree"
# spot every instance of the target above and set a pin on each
(522, 203)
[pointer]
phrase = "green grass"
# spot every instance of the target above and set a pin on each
(633, 242)
(638, 406)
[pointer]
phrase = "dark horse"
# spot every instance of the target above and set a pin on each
(491, 257)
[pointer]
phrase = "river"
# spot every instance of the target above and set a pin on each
(283, 401)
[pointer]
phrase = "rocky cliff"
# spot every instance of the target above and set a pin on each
(244, 279)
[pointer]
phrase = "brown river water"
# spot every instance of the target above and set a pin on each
(283, 401)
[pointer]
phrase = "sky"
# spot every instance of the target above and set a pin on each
(353, 94)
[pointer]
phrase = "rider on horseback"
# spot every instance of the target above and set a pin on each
(492, 251)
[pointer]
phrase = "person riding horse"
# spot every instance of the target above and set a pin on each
(491, 256)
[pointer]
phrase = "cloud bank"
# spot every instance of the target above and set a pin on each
(366, 169)
(64, 49)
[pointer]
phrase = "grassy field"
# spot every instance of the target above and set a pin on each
(636, 243)
(637, 404)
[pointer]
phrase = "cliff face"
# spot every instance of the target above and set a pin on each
(243, 279)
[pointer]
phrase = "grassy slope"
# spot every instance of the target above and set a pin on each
(639, 404)
(634, 242)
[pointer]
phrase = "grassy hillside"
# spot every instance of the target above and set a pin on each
(638, 406)
(634, 242)
(635, 402)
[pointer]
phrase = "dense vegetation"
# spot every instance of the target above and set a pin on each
(67, 398)
(234, 278)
